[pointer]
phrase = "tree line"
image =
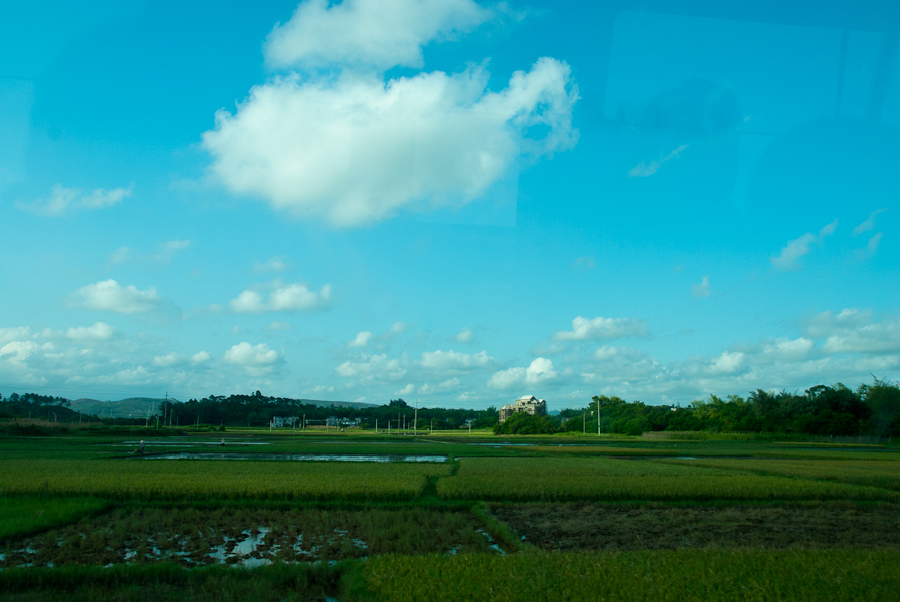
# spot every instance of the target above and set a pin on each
(820, 410)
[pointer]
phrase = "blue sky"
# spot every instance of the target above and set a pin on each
(448, 201)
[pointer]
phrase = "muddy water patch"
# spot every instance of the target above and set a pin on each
(247, 537)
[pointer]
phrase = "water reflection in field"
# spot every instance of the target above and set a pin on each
(381, 458)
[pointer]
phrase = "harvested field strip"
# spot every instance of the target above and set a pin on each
(622, 527)
(659, 575)
(247, 536)
(124, 479)
(869, 473)
(572, 479)
(830, 454)
(30, 514)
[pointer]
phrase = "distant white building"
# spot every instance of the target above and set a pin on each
(528, 404)
(278, 421)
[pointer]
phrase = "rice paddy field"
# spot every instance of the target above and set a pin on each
(258, 515)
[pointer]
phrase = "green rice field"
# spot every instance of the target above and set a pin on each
(83, 516)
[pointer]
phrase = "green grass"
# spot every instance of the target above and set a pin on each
(24, 515)
(676, 576)
(170, 582)
(573, 478)
(147, 479)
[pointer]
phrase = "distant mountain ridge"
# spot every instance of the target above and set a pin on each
(142, 407)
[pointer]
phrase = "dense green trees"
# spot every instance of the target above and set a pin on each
(821, 410)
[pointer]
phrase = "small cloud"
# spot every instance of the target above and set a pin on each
(282, 326)
(255, 359)
(454, 361)
(602, 328)
(644, 170)
(464, 336)
(99, 331)
(539, 372)
(108, 295)
(168, 249)
(869, 224)
(361, 340)
(200, 358)
(702, 289)
(69, 200)
(397, 328)
(870, 249)
(407, 390)
(286, 298)
(583, 264)
(237, 330)
(121, 255)
(167, 360)
(787, 260)
(274, 264)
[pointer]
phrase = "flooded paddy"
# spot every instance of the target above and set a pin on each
(248, 537)
(379, 458)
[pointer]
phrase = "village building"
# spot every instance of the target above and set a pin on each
(528, 405)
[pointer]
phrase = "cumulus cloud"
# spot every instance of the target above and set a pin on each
(539, 372)
(109, 295)
(167, 360)
(454, 361)
(343, 145)
(787, 260)
(256, 360)
(200, 357)
(727, 362)
(368, 33)
(644, 170)
(63, 201)
(702, 289)
(407, 390)
(286, 298)
(870, 249)
(869, 224)
(356, 150)
(361, 340)
(448, 385)
(464, 336)
(376, 368)
(855, 331)
(603, 328)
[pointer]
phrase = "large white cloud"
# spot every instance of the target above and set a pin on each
(341, 144)
(282, 297)
(602, 328)
(63, 201)
(109, 295)
(856, 331)
(355, 150)
(368, 33)
(540, 372)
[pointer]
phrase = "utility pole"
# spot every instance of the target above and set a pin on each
(416, 420)
(584, 423)
(598, 416)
